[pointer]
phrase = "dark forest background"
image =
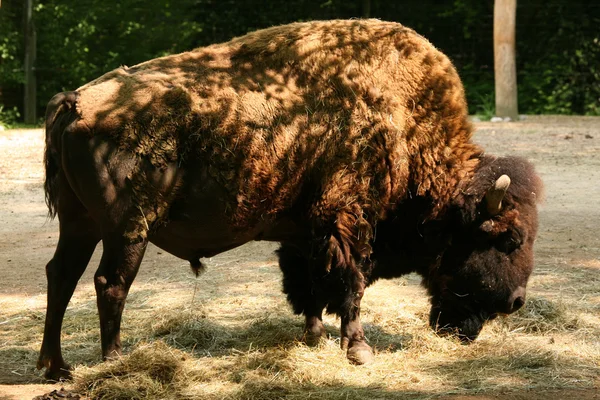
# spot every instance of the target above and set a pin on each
(558, 41)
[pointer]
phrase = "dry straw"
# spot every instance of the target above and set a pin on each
(246, 344)
(197, 354)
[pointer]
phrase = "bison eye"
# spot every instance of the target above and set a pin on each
(509, 241)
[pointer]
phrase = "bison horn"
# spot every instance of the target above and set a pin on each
(494, 196)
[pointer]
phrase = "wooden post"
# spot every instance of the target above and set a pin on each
(505, 70)
(30, 54)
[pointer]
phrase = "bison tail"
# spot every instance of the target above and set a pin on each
(60, 112)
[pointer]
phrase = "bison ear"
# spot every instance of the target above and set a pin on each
(494, 196)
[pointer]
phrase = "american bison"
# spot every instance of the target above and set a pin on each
(346, 141)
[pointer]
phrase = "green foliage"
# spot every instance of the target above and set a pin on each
(9, 117)
(10, 48)
(558, 42)
(566, 81)
(95, 36)
(486, 107)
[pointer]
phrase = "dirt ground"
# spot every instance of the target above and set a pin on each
(565, 150)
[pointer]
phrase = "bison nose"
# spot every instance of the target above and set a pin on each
(517, 299)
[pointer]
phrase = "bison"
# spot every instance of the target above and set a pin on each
(346, 141)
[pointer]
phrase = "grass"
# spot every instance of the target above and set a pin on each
(22, 125)
(486, 108)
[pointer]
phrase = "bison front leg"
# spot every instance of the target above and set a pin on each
(347, 255)
(312, 283)
(302, 288)
(352, 335)
(118, 268)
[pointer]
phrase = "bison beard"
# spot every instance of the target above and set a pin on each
(346, 141)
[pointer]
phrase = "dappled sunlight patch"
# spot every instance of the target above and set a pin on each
(540, 315)
(325, 363)
(423, 341)
(164, 295)
(591, 263)
(487, 369)
(428, 364)
(14, 303)
(188, 329)
(327, 366)
(199, 331)
(542, 280)
(20, 342)
(591, 318)
(210, 348)
(16, 364)
(148, 372)
(192, 351)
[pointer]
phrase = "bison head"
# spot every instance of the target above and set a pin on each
(486, 264)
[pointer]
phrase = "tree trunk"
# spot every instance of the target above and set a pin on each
(30, 54)
(504, 58)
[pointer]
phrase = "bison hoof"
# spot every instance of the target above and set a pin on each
(55, 371)
(314, 331)
(360, 353)
(313, 337)
(58, 375)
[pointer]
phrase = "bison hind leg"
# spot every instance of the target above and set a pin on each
(119, 265)
(77, 240)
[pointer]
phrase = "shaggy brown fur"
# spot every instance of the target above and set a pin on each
(350, 104)
(348, 141)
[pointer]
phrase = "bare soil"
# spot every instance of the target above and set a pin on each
(565, 150)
